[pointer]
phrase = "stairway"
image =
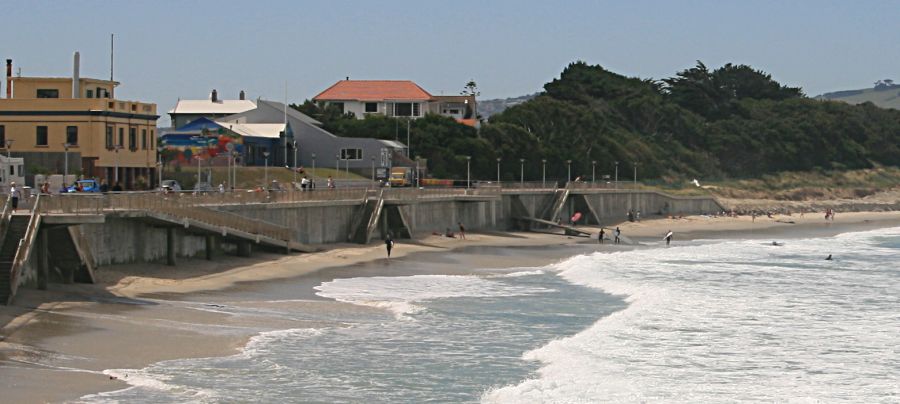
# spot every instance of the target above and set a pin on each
(559, 201)
(18, 224)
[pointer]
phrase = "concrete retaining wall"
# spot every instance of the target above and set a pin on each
(120, 241)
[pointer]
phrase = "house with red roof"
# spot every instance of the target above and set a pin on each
(394, 98)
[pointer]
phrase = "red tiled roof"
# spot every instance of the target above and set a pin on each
(373, 90)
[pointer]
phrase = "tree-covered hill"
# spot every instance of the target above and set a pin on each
(733, 121)
(730, 122)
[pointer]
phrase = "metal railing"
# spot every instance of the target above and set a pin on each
(227, 220)
(24, 249)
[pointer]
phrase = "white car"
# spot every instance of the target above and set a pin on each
(170, 186)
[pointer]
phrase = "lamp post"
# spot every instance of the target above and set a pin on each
(314, 165)
(617, 176)
(373, 169)
(337, 165)
(66, 168)
(568, 171)
(266, 170)
(417, 171)
(468, 172)
(521, 173)
(9, 143)
(117, 148)
(635, 174)
(234, 157)
(295, 160)
(498, 170)
(593, 172)
(543, 173)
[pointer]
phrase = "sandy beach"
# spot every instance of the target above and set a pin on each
(55, 344)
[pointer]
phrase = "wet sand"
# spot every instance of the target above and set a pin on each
(55, 344)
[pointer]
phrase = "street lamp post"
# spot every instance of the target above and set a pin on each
(117, 148)
(314, 165)
(468, 171)
(617, 176)
(543, 173)
(295, 160)
(9, 143)
(568, 171)
(266, 170)
(66, 168)
(373, 169)
(593, 172)
(337, 165)
(417, 172)
(498, 170)
(635, 174)
(521, 173)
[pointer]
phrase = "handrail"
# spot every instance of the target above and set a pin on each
(24, 249)
(5, 215)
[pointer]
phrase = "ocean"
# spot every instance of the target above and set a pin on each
(699, 321)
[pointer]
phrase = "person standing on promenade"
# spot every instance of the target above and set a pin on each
(617, 233)
(14, 195)
(330, 182)
(389, 244)
(462, 231)
(600, 236)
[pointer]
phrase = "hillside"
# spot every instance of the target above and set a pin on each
(883, 95)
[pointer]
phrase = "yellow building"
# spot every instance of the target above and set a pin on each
(41, 117)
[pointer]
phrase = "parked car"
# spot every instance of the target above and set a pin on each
(86, 186)
(170, 186)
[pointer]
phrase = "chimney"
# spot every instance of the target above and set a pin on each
(241, 95)
(76, 76)
(214, 96)
(8, 78)
(348, 78)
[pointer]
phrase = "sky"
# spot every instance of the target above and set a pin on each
(166, 50)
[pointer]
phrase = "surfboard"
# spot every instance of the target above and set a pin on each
(576, 216)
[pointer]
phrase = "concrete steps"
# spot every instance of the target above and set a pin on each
(18, 225)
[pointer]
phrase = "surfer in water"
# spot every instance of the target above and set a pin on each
(668, 237)
(617, 233)
(828, 258)
(389, 244)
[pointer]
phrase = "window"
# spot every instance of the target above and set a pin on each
(2, 136)
(102, 93)
(132, 139)
(339, 106)
(89, 94)
(47, 93)
(415, 111)
(109, 137)
(371, 107)
(403, 109)
(72, 135)
(41, 136)
(144, 139)
(351, 154)
(121, 138)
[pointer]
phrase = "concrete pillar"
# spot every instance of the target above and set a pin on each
(210, 246)
(243, 248)
(43, 261)
(170, 246)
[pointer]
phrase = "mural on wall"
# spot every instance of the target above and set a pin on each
(186, 148)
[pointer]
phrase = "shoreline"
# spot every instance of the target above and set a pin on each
(142, 320)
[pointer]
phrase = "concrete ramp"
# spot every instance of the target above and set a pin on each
(559, 201)
(567, 230)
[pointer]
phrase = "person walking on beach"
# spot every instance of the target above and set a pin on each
(389, 244)
(617, 233)
(462, 231)
(668, 237)
(14, 195)
(600, 236)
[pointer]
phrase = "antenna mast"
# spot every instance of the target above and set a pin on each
(112, 92)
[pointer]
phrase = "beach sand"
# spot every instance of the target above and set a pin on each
(55, 344)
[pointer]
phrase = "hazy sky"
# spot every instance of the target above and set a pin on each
(171, 49)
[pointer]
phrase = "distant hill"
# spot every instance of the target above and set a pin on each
(885, 94)
(486, 108)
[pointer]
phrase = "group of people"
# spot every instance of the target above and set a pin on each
(634, 215)
(616, 235)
